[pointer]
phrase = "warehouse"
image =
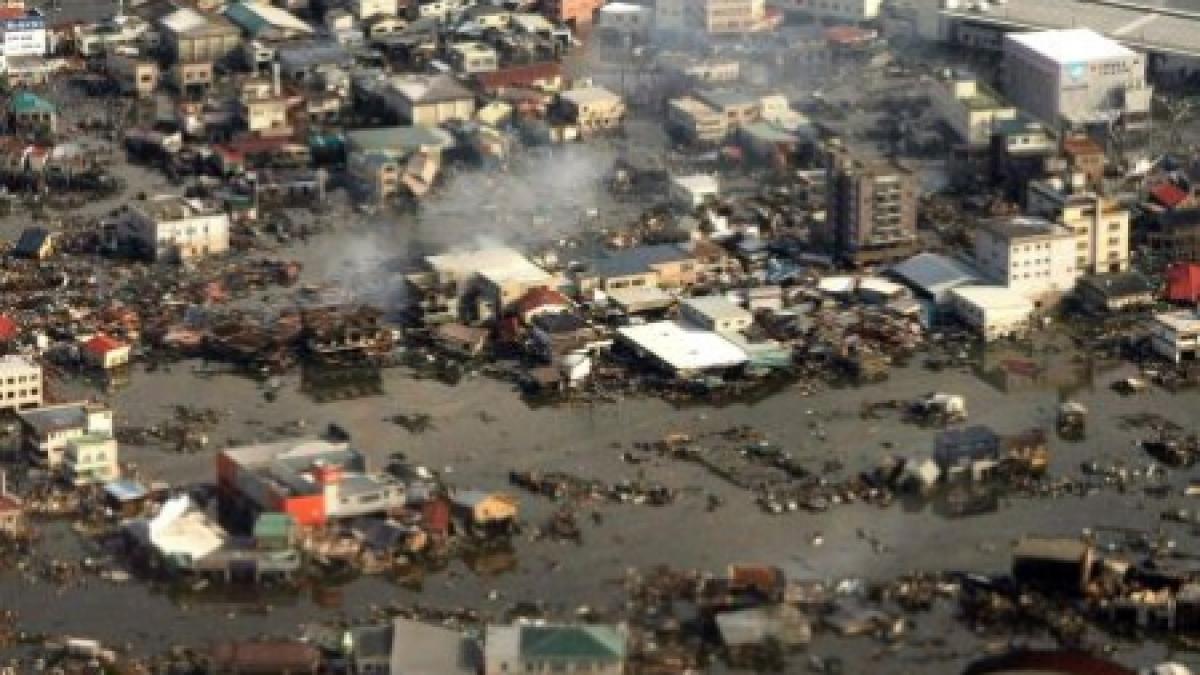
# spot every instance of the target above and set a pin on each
(993, 311)
(681, 349)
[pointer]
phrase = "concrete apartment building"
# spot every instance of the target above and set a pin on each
(1077, 77)
(1101, 224)
(174, 229)
(871, 209)
(731, 16)
(262, 107)
(1176, 335)
(842, 10)
(969, 107)
(46, 431)
(1031, 256)
(20, 383)
(429, 100)
(191, 36)
(696, 121)
(133, 72)
(594, 109)
(709, 16)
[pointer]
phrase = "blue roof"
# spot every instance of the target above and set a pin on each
(125, 490)
(636, 260)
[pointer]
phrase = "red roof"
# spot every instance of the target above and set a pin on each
(9, 504)
(849, 35)
(1168, 194)
(102, 344)
(7, 13)
(8, 328)
(1183, 282)
(537, 298)
(518, 76)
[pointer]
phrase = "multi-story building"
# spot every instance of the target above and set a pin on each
(871, 209)
(311, 480)
(969, 107)
(263, 108)
(593, 108)
(365, 9)
(45, 431)
(20, 383)
(730, 16)
(133, 72)
(473, 57)
(1031, 256)
(697, 121)
(844, 10)
(173, 229)
(91, 458)
(1077, 77)
(1176, 335)
(1100, 224)
(22, 32)
(189, 36)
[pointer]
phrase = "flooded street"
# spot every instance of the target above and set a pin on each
(481, 429)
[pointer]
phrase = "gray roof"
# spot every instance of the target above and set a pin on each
(403, 139)
(1119, 284)
(934, 274)
(56, 418)
(636, 260)
(422, 649)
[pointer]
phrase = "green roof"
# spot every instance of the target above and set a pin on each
(28, 102)
(274, 525)
(572, 643)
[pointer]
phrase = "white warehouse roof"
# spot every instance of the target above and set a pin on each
(994, 298)
(1071, 45)
(683, 347)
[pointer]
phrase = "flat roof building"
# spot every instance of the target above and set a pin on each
(682, 349)
(1076, 77)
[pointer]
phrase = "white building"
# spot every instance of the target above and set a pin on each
(1031, 256)
(969, 107)
(626, 18)
(709, 16)
(25, 35)
(681, 349)
(91, 458)
(992, 311)
(1101, 224)
(20, 383)
(174, 229)
(716, 313)
(1077, 76)
(1176, 335)
(846, 10)
(45, 431)
(688, 192)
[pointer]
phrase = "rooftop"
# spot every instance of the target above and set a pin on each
(1025, 227)
(497, 264)
(717, 307)
(934, 273)
(443, 651)
(636, 260)
(1073, 45)
(586, 95)
(1181, 321)
(994, 297)
(684, 348)
(12, 364)
(55, 417)
(429, 88)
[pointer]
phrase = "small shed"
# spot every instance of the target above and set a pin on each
(274, 531)
(35, 243)
(484, 508)
(126, 497)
